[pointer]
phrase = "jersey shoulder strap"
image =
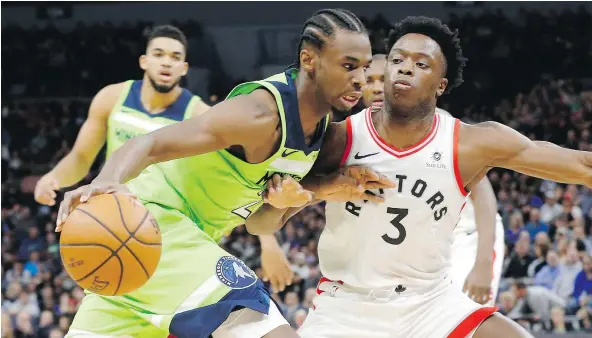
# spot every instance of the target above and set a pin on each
(190, 106)
(127, 85)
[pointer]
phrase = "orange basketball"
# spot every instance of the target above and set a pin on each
(110, 245)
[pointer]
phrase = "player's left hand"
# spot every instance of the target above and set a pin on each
(478, 282)
(285, 193)
(276, 268)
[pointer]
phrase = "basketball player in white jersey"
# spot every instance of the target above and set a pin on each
(387, 265)
(478, 249)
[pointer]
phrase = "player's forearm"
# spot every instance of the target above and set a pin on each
(565, 166)
(268, 242)
(128, 161)
(485, 204)
(551, 162)
(266, 220)
(71, 169)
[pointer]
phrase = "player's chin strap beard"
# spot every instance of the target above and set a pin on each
(163, 89)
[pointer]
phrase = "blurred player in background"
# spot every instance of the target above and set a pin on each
(124, 110)
(121, 111)
(374, 88)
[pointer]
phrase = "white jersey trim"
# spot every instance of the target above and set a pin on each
(399, 153)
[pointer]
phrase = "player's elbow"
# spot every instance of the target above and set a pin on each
(258, 228)
(259, 225)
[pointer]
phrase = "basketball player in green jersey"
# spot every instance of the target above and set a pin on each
(123, 110)
(206, 175)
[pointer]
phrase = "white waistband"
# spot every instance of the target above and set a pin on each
(384, 294)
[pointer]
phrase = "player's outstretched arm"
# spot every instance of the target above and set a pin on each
(499, 146)
(91, 138)
(231, 122)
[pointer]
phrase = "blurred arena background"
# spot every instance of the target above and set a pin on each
(530, 67)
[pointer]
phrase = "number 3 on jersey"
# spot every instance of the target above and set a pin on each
(400, 214)
(244, 211)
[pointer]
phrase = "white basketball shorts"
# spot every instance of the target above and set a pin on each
(438, 312)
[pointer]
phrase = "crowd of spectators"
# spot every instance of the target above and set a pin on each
(547, 275)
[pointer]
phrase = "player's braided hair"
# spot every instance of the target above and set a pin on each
(448, 40)
(167, 31)
(323, 24)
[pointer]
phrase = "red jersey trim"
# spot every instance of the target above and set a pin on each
(348, 145)
(472, 322)
(459, 181)
(400, 153)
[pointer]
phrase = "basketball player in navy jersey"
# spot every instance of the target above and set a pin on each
(386, 265)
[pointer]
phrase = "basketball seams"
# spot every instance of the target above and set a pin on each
(141, 222)
(121, 214)
(113, 254)
(131, 235)
(120, 275)
(146, 243)
(100, 223)
(114, 249)
(120, 241)
(88, 244)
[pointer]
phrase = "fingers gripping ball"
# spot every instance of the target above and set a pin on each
(110, 245)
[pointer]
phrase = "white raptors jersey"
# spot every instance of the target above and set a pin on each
(407, 239)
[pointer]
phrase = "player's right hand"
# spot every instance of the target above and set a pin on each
(83, 193)
(45, 189)
(352, 184)
(285, 193)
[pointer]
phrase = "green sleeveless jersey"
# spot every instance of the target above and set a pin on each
(218, 190)
(128, 117)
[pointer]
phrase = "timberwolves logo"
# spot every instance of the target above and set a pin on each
(232, 272)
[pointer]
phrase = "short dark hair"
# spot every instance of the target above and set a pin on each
(322, 25)
(447, 39)
(167, 31)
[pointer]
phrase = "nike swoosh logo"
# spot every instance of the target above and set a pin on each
(357, 156)
(286, 153)
(469, 233)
